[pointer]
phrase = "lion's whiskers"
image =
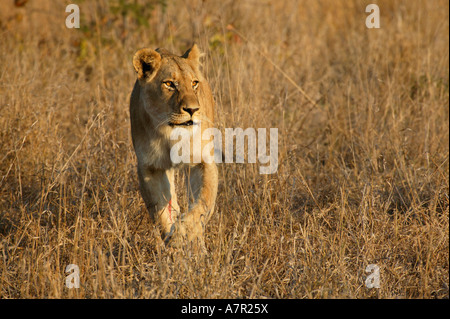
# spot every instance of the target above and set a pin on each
(206, 119)
(164, 121)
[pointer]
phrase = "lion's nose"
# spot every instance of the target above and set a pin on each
(190, 110)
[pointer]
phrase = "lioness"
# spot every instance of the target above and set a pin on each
(171, 93)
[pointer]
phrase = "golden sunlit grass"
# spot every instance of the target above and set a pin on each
(363, 171)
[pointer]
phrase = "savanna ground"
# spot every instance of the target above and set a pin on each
(363, 125)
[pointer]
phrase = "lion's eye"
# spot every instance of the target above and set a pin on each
(170, 85)
(194, 84)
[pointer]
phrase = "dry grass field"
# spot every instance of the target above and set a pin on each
(363, 132)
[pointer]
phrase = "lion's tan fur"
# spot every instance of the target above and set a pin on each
(155, 108)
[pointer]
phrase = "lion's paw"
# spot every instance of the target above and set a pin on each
(188, 232)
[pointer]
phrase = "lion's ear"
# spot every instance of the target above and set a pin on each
(193, 54)
(146, 62)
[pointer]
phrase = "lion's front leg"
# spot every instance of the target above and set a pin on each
(158, 191)
(202, 183)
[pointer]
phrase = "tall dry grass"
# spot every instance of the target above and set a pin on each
(363, 172)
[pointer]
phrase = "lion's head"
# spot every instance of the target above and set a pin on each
(172, 87)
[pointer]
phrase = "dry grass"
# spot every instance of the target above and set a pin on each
(363, 175)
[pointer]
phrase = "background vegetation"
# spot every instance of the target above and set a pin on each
(363, 170)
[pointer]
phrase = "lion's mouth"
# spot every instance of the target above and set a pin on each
(188, 123)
